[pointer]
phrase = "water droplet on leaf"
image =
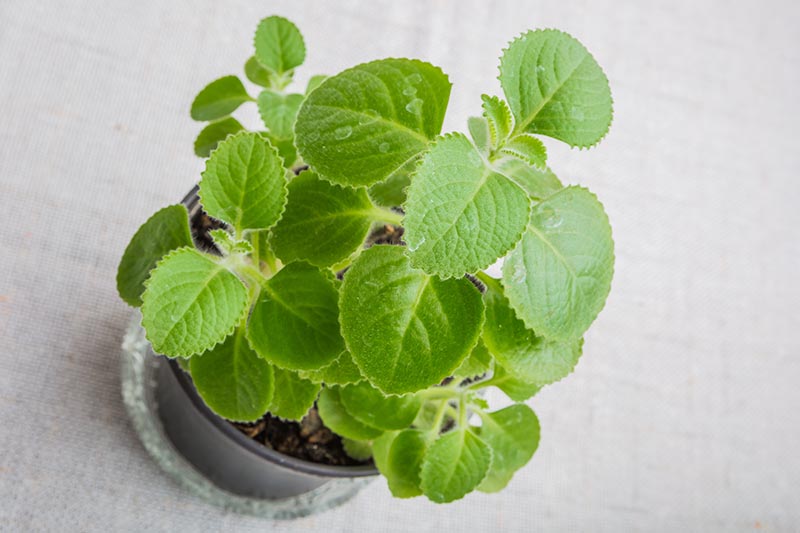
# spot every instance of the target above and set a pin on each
(368, 117)
(550, 219)
(576, 113)
(410, 91)
(519, 274)
(414, 78)
(413, 248)
(415, 106)
(343, 133)
(384, 147)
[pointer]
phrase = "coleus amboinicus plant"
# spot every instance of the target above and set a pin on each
(395, 349)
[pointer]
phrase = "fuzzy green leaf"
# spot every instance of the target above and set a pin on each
(558, 276)
(454, 465)
(256, 73)
(323, 223)
(244, 183)
(279, 45)
(295, 324)
(336, 417)
(527, 148)
(314, 82)
(294, 395)
(233, 381)
(479, 131)
(167, 230)
(381, 447)
(391, 192)
(342, 371)
(515, 388)
(371, 407)
(278, 111)
(519, 350)
(367, 123)
(359, 450)
(498, 117)
(285, 147)
(478, 363)
(461, 215)
(191, 303)
(404, 461)
(538, 183)
(219, 98)
(513, 435)
(405, 329)
(214, 133)
(555, 88)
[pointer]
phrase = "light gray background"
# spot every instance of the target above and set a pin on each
(683, 413)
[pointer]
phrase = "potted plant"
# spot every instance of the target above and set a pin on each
(335, 275)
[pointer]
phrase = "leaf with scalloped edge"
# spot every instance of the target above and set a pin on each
(219, 99)
(244, 183)
(294, 324)
(558, 276)
(527, 148)
(294, 395)
(339, 420)
(367, 123)
(278, 111)
(370, 406)
(314, 82)
(454, 465)
(167, 230)
(519, 350)
(478, 363)
(342, 371)
(191, 303)
(461, 215)
(556, 88)
(216, 132)
(233, 380)
(323, 223)
(538, 183)
(285, 147)
(403, 453)
(279, 45)
(256, 73)
(481, 137)
(513, 435)
(513, 387)
(406, 330)
(498, 117)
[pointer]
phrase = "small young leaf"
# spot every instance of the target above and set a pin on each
(285, 147)
(371, 407)
(513, 387)
(191, 303)
(227, 244)
(461, 215)
(314, 82)
(256, 73)
(323, 223)
(278, 111)
(381, 447)
(392, 191)
(167, 230)
(368, 122)
(538, 183)
(336, 417)
(359, 450)
(219, 98)
(558, 276)
(454, 465)
(555, 88)
(513, 435)
(244, 183)
(294, 395)
(279, 45)
(478, 363)
(214, 133)
(342, 371)
(404, 461)
(295, 324)
(524, 354)
(498, 117)
(527, 148)
(479, 131)
(233, 381)
(405, 329)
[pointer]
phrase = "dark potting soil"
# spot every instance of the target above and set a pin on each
(308, 439)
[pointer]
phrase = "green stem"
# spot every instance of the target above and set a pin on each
(462, 411)
(438, 393)
(381, 214)
(440, 412)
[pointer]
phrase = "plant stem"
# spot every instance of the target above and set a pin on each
(380, 214)
(462, 411)
(440, 412)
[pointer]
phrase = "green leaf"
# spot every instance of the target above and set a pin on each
(404, 461)
(244, 183)
(516, 389)
(314, 82)
(256, 73)
(285, 147)
(294, 395)
(478, 363)
(519, 350)
(461, 215)
(214, 133)
(555, 88)
(405, 329)
(225, 242)
(191, 302)
(381, 447)
(336, 417)
(323, 223)
(538, 183)
(167, 230)
(342, 371)
(295, 322)
(454, 465)
(279, 45)
(479, 131)
(357, 449)
(527, 148)
(219, 98)
(233, 381)
(558, 276)
(391, 192)
(498, 117)
(278, 112)
(368, 122)
(371, 407)
(513, 435)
